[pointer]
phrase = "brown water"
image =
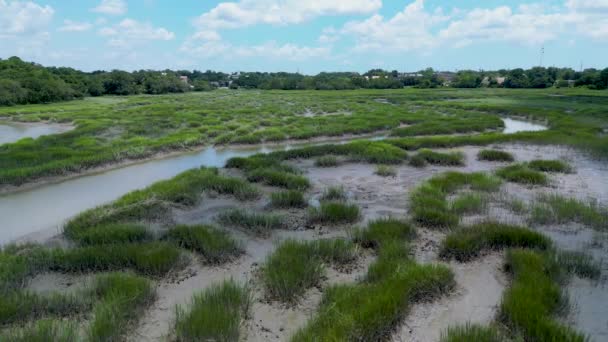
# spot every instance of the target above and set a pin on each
(14, 131)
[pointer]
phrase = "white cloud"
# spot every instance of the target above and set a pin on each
(74, 26)
(250, 12)
(111, 7)
(23, 17)
(587, 5)
(410, 29)
(130, 32)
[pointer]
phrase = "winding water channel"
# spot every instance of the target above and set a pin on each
(14, 131)
(39, 213)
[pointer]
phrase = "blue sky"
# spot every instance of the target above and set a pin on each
(306, 36)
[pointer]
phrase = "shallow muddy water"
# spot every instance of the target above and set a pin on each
(14, 131)
(514, 126)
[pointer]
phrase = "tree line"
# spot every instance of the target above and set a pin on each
(24, 82)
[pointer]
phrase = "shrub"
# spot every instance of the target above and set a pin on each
(467, 242)
(214, 245)
(326, 161)
(214, 314)
(495, 155)
(288, 199)
(259, 223)
(334, 213)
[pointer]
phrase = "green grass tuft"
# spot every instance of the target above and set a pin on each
(556, 209)
(386, 171)
(472, 332)
(113, 233)
(297, 266)
(326, 161)
(417, 161)
(550, 166)
(334, 213)
(467, 243)
(44, 330)
(384, 230)
(470, 203)
(259, 223)
(278, 178)
(214, 245)
(443, 159)
(215, 314)
(495, 155)
(334, 193)
(288, 199)
(520, 173)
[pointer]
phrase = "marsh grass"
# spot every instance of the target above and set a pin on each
(470, 203)
(326, 161)
(579, 263)
(278, 178)
(288, 199)
(472, 332)
(113, 233)
(534, 297)
(557, 209)
(517, 206)
(550, 166)
(467, 243)
(215, 314)
(331, 212)
(383, 230)
(43, 330)
(417, 161)
(334, 193)
(296, 266)
(495, 155)
(19, 306)
(520, 173)
(385, 171)
(122, 297)
(151, 258)
(443, 159)
(259, 223)
(216, 246)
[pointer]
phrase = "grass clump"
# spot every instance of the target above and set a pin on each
(18, 306)
(214, 245)
(470, 203)
(579, 263)
(259, 223)
(520, 173)
(385, 171)
(43, 331)
(113, 233)
(472, 332)
(151, 258)
(443, 159)
(550, 166)
(297, 266)
(467, 243)
(121, 297)
(326, 161)
(334, 193)
(534, 297)
(278, 178)
(288, 199)
(382, 231)
(556, 209)
(334, 213)
(417, 161)
(495, 155)
(214, 314)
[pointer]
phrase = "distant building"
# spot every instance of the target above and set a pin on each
(184, 79)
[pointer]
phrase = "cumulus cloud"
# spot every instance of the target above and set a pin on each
(250, 12)
(111, 7)
(74, 26)
(23, 17)
(129, 32)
